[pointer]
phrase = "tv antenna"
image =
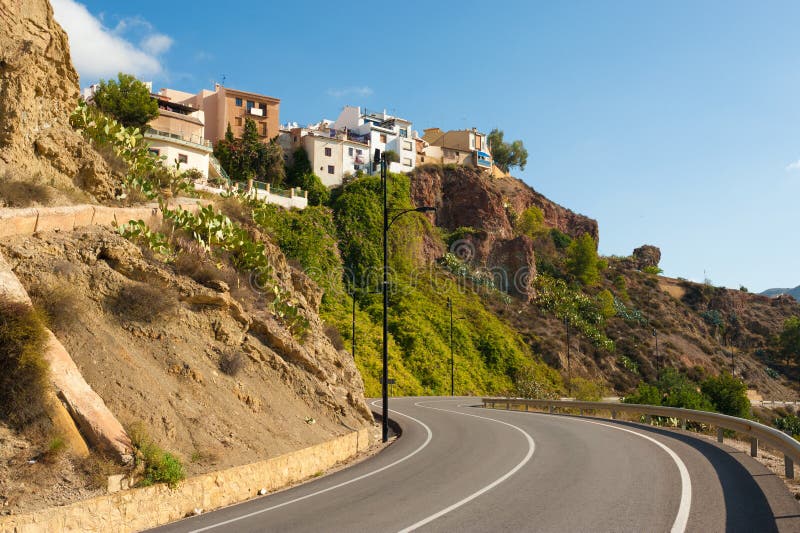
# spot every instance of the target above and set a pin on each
(223, 80)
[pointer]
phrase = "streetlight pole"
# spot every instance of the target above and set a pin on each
(353, 294)
(452, 359)
(386, 225)
(569, 363)
(658, 358)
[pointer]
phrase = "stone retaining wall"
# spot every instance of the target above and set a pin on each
(147, 507)
(33, 220)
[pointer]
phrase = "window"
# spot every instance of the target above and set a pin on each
(350, 151)
(359, 151)
(479, 142)
(403, 132)
(407, 146)
(406, 162)
(264, 130)
(238, 102)
(383, 137)
(237, 121)
(328, 152)
(183, 158)
(155, 151)
(331, 170)
(250, 104)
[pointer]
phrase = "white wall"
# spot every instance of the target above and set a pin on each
(197, 159)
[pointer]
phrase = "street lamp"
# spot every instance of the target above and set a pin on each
(569, 363)
(658, 358)
(386, 224)
(353, 294)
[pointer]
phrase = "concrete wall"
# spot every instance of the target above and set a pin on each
(143, 508)
(34, 220)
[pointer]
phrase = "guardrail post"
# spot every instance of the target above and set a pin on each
(683, 424)
(788, 467)
(648, 419)
(613, 415)
(527, 407)
(581, 411)
(551, 408)
(720, 434)
(508, 406)
(753, 447)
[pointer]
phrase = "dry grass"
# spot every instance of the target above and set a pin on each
(19, 193)
(24, 373)
(231, 362)
(334, 336)
(61, 303)
(139, 302)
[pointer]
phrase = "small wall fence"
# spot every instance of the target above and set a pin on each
(755, 431)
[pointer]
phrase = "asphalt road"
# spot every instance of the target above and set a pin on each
(458, 467)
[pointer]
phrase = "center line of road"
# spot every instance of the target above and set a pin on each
(487, 488)
(334, 487)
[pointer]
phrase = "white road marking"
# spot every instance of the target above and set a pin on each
(334, 487)
(485, 489)
(682, 518)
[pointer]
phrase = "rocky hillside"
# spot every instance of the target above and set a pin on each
(38, 91)
(700, 329)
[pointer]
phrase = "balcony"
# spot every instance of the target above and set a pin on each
(191, 141)
(256, 111)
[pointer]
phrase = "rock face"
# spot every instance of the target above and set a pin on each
(646, 256)
(466, 198)
(38, 91)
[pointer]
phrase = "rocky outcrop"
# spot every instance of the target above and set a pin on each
(646, 256)
(38, 91)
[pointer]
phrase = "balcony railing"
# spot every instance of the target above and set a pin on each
(189, 139)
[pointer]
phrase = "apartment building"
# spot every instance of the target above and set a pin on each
(462, 147)
(177, 135)
(224, 106)
(332, 154)
(377, 129)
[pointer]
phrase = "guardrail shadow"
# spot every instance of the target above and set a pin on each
(747, 507)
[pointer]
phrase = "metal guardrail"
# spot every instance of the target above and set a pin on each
(756, 431)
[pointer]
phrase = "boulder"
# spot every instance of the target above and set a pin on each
(646, 256)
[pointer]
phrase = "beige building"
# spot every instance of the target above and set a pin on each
(462, 147)
(224, 106)
(177, 135)
(332, 154)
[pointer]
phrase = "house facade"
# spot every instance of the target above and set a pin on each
(177, 135)
(382, 131)
(332, 155)
(462, 147)
(224, 106)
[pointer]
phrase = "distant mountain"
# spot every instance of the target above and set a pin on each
(791, 292)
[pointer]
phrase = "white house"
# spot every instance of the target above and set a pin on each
(332, 154)
(382, 131)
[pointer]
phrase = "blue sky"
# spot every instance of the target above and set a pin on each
(673, 124)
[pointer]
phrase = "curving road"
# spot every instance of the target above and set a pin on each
(458, 467)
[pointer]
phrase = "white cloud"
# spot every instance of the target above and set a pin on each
(793, 166)
(156, 44)
(100, 52)
(350, 91)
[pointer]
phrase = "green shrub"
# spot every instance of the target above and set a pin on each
(24, 372)
(652, 269)
(587, 390)
(531, 222)
(645, 394)
(582, 262)
(728, 395)
(158, 466)
(789, 424)
(560, 240)
(605, 303)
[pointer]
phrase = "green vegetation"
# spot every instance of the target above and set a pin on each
(248, 157)
(507, 155)
(531, 222)
(723, 393)
(652, 270)
(301, 175)
(789, 424)
(582, 262)
(127, 100)
(158, 466)
(587, 390)
(789, 339)
(24, 373)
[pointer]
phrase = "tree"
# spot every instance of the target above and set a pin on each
(728, 394)
(248, 157)
(126, 99)
(531, 222)
(789, 339)
(582, 260)
(507, 155)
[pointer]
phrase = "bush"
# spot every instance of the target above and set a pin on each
(143, 303)
(652, 269)
(728, 395)
(231, 362)
(645, 394)
(158, 466)
(530, 222)
(60, 303)
(582, 263)
(529, 382)
(24, 373)
(789, 424)
(587, 390)
(18, 193)
(335, 337)
(560, 239)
